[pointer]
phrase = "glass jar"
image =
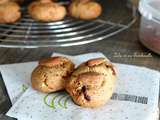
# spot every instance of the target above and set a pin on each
(150, 24)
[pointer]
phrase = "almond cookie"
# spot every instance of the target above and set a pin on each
(92, 83)
(85, 9)
(46, 11)
(10, 12)
(51, 74)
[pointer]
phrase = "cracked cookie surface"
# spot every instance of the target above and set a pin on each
(51, 74)
(92, 83)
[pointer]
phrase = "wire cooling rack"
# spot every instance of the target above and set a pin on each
(28, 33)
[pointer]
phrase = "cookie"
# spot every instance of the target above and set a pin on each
(10, 12)
(85, 9)
(92, 83)
(46, 11)
(51, 74)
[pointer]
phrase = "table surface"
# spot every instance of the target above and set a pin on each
(122, 48)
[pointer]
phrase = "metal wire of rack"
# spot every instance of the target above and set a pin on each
(28, 33)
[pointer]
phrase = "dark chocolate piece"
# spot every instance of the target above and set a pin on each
(87, 97)
(113, 71)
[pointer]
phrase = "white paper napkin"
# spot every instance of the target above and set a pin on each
(17, 78)
(135, 98)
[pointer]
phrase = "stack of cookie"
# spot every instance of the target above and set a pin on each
(91, 84)
(48, 10)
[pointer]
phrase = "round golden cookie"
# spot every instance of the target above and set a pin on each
(51, 74)
(10, 12)
(92, 83)
(85, 9)
(46, 11)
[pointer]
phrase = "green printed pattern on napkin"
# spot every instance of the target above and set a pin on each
(62, 100)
